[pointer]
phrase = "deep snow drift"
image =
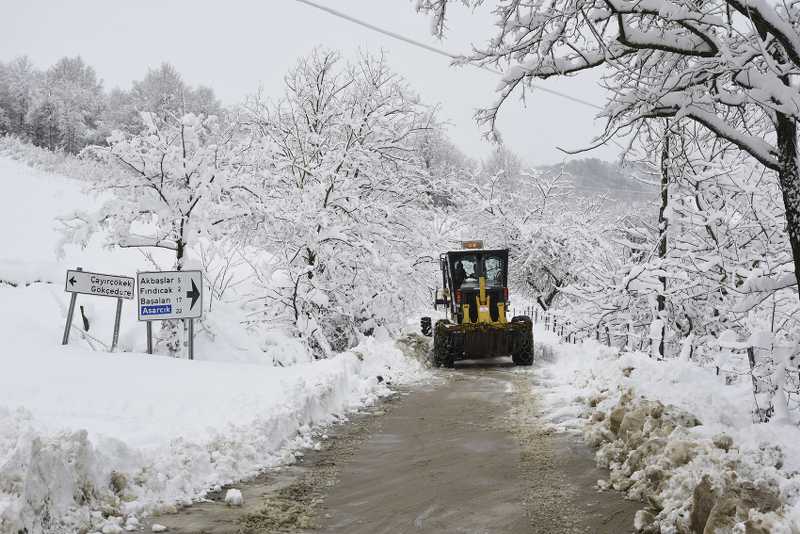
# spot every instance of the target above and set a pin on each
(90, 439)
(677, 438)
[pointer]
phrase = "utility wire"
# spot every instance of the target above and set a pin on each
(441, 52)
(433, 49)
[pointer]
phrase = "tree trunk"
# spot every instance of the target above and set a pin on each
(179, 252)
(180, 248)
(661, 300)
(789, 175)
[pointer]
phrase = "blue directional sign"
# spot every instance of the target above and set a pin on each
(156, 310)
(169, 295)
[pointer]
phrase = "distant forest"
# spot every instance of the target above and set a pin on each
(66, 107)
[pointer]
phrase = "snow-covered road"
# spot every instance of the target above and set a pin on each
(467, 453)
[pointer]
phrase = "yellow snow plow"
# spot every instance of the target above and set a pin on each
(474, 294)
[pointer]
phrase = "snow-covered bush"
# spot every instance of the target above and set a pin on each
(57, 162)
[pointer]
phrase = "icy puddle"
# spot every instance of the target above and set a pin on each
(466, 455)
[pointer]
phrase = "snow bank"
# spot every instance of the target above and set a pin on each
(675, 437)
(125, 434)
(89, 440)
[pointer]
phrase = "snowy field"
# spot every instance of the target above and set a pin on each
(677, 438)
(90, 440)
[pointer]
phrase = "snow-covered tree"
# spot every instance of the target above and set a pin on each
(66, 108)
(551, 234)
(177, 181)
(18, 80)
(162, 92)
(174, 185)
(345, 190)
(503, 161)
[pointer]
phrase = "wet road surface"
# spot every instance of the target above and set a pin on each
(464, 455)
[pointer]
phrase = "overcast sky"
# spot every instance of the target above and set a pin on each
(237, 46)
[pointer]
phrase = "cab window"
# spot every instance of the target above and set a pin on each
(495, 271)
(465, 271)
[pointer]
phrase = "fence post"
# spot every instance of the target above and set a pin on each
(628, 336)
(751, 359)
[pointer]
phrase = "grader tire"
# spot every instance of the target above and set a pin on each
(523, 341)
(442, 345)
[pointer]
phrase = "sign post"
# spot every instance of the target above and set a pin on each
(82, 282)
(166, 295)
(117, 318)
(191, 339)
(70, 312)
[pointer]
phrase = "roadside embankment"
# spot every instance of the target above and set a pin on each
(677, 439)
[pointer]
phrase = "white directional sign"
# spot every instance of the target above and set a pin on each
(169, 295)
(102, 285)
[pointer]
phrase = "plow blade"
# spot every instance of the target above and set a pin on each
(482, 340)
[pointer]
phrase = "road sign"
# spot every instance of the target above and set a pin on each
(101, 285)
(169, 295)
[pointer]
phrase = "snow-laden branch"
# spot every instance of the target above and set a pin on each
(135, 241)
(762, 151)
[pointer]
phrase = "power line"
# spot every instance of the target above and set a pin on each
(440, 52)
(378, 29)
(433, 49)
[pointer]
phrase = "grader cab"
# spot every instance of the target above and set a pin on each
(474, 295)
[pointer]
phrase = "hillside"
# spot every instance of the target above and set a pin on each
(83, 429)
(591, 176)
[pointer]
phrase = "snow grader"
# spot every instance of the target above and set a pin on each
(474, 295)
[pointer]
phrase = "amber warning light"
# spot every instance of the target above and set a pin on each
(472, 244)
